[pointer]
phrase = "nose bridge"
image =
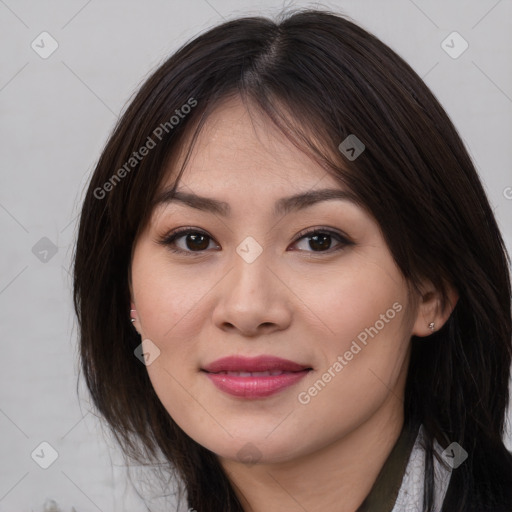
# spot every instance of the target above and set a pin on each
(250, 268)
(252, 296)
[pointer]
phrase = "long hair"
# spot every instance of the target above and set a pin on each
(320, 78)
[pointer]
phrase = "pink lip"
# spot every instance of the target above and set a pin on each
(257, 386)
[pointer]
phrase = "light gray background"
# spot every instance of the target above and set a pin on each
(57, 113)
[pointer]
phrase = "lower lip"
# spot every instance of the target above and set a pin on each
(255, 387)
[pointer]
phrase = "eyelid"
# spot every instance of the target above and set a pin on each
(171, 236)
(168, 239)
(340, 235)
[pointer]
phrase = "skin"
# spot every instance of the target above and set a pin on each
(294, 301)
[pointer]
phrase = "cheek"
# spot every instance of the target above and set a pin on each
(168, 301)
(367, 324)
(364, 355)
(356, 298)
(168, 307)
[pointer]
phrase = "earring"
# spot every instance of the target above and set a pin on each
(431, 326)
(132, 315)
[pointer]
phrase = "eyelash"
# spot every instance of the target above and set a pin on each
(169, 239)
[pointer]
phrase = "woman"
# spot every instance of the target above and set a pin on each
(318, 291)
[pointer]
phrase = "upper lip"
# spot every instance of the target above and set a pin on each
(254, 364)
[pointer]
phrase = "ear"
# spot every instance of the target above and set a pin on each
(431, 315)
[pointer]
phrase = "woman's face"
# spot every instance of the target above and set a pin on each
(253, 281)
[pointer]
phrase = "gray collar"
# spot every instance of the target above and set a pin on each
(410, 495)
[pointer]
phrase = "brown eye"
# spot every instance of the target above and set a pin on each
(196, 241)
(187, 241)
(322, 241)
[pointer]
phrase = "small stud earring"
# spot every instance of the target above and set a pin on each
(431, 326)
(132, 315)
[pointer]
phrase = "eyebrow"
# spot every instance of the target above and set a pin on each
(282, 206)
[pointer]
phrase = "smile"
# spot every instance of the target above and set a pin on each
(253, 378)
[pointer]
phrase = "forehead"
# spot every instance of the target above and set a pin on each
(240, 147)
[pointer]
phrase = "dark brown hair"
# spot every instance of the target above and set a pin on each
(312, 72)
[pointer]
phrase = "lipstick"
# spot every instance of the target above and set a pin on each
(254, 377)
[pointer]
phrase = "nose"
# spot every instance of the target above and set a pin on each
(253, 299)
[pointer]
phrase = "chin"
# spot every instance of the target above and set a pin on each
(252, 449)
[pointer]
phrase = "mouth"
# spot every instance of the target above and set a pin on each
(254, 378)
(252, 374)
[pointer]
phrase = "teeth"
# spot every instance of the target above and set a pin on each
(254, 374)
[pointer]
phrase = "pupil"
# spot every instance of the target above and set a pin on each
(194, 239)
(324, 244)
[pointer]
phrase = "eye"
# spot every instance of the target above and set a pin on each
(320, 240)
(194, 241)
